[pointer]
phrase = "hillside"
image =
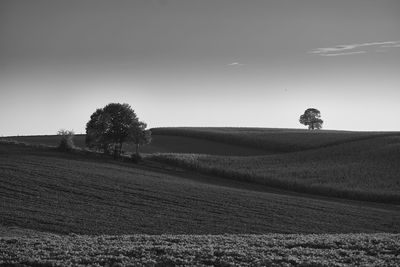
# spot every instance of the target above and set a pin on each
(355, 165)
(271, 140)
(46, 190)
(366, 169)
(227, 141)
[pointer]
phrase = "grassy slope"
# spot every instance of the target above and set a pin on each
(357, 165)
(365, 169)
(269, 139)
(43, 249)
(47, 190)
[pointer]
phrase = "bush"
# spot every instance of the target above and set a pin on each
(67, 140)
(136, 158)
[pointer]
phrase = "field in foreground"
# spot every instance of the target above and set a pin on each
(44, 249)
(47, 190)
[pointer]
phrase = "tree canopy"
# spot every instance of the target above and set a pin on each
(312, 119)
(140, 136)
(111, 126)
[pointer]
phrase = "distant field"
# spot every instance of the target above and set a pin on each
(160, 144)
(366, 169)
(59, 192)
(269, 139)
(227, 141)
(44, 249)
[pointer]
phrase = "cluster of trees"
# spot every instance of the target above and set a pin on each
(113, 125)
(110, 127)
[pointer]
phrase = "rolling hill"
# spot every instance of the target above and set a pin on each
(355, 165)
(365, 169)
(83, 208)
(43, 189)
(271, 140)
(226, 141)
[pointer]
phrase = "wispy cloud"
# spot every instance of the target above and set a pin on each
(351, 49)
(342, 54)
(392, 45)
(236, 64)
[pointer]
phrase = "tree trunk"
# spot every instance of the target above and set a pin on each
(137, 149)
(120, 149)
(115, 151)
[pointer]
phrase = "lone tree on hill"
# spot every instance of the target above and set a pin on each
(111, 126)
(312, 119)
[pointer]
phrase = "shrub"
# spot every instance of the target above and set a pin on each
(67, 140)
(136, 158)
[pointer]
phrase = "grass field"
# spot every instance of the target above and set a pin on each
(44, 249)
(271, 140)
(364, 169)
(47, 190)
(107, 208)
(228, 141)
(355, 165)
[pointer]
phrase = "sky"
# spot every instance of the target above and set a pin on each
(240, 63)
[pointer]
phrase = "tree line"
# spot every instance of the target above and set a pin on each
(113, 125)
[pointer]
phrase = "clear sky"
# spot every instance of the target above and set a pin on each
(242, 63)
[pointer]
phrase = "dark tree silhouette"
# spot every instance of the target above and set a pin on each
(111, 126)
(95, 129)
(312, 119)
(140, 136)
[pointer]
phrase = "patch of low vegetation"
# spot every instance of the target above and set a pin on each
(363, 170)
(66, 140)
(48, 190)
(48, 140)
(201, 250)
